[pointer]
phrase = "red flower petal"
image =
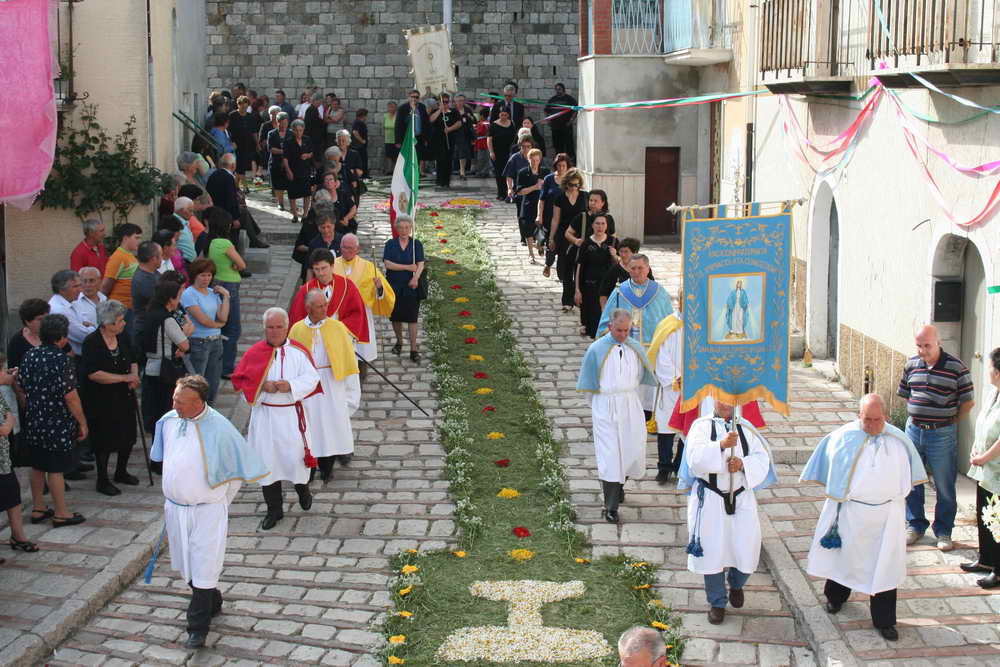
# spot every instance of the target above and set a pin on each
(480, 375)
(434, 214)
(503, 463)
(471, 341)
(456, 287)
(444, 240)
(450, 261)
(521, 531)
(438, 226)
(465, 313)
(488, 408)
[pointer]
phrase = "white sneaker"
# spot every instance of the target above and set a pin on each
(944, 543)
(912, 535)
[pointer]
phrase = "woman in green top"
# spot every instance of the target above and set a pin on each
(228, 265)
(985, 460)
(389, 132)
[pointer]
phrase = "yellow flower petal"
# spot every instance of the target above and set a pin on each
(522, 554)
(459, 554)
(410, 569)
(583, 561)
(642, 564)
(508, 493)
(405, 591)
(476, 357)
(412, 551)
(660, 626)
(461, 299)
(483, 390)
(393, 660)
(397, 639)
(405, 614)
(451, 273)
(446, 251)
(469, 327)
(495, 435)
(442, 233)
(642, 587)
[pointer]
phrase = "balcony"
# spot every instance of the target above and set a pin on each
(800, 47)
(696, 32)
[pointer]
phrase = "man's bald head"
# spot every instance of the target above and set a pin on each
(872, 412)
(640, 645)
(928, 344)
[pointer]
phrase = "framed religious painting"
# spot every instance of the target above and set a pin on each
(736, 308)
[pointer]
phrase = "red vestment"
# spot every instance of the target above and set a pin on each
(345, 304)
(681, 421)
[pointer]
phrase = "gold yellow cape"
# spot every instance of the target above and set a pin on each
(337, 341)
(363, 275)
(667, 326)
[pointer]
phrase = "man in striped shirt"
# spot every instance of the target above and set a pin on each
(938, 392)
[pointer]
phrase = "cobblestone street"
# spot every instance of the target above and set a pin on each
(309, 591)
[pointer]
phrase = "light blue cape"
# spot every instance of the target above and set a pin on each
(655, 303)
(224, 450)
(597, 353)
(685, 478)
(832, 462)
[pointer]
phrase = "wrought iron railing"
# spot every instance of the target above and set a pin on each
(635, 27)
(689, 24)
(788, 35)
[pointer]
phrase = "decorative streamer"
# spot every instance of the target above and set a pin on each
(642, 104)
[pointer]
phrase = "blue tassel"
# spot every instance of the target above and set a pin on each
(694, 547)
(832, 538)
(147, 575)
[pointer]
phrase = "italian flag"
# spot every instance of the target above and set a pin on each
(405, 180)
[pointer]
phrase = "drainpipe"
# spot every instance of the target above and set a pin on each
(446, 14)
(150, 99)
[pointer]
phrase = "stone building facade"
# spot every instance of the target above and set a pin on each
(357, 49)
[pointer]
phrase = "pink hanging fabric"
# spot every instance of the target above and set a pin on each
(27, 116)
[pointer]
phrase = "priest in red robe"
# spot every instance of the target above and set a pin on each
(344, 302)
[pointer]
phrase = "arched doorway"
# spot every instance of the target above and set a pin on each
(956, 258)
(822, 320)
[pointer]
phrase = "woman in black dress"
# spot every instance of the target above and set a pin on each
(597, 204)
(528, 186)
(275, 146)
(596, 257)
(568, 209)
(536, 133)
(243, 125)
(110, 376)
(551, 189)
(31, 312)
(403, 257)
(501, 136)
(53, 420)
(298, 168)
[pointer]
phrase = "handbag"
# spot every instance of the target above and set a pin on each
(171, 368)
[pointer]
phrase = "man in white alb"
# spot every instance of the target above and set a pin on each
(613, 370)
(329, 413)
(722, 467)
(867, 468)
(276, 375)
(204, 460)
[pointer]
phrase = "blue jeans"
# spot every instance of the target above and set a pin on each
(206, 360)
(938, 450)
(232, 329)
(715, 585)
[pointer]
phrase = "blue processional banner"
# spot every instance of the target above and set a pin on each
(737, 272)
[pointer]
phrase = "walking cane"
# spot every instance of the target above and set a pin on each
(142, 436)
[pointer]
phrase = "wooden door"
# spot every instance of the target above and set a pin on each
(663, 168)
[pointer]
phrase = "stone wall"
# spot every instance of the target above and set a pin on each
(357, 49)
(865, 364)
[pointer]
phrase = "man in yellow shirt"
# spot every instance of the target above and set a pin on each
(375, 291)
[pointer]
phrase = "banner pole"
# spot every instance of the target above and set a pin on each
(676, 208)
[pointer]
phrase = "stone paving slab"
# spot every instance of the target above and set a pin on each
(311, 590)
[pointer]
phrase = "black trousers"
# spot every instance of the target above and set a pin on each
(442, 154)
(883, 605)
(205, 603)
(613, 492)
(498, 167)
(563, 141)
(667, 459)
(566, 270)
(989, 550)
(590, 306)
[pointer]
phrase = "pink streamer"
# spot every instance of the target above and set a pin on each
(29, 139)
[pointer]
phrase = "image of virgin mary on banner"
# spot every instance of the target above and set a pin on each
(736, 310)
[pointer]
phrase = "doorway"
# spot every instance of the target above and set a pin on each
(663, 166)
(832, 321)
(972, 342)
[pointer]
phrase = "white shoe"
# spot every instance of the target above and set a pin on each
(944, 543)
(912, 535)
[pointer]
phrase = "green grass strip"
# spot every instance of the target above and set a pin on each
(433, 600)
